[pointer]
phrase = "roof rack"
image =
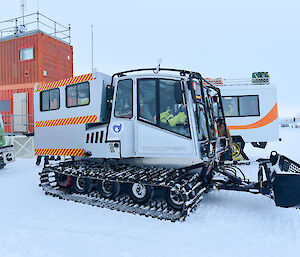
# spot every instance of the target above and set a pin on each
(34, 22)
(238, 82)
(154, 70)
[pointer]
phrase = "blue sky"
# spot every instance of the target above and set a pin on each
(228, 39)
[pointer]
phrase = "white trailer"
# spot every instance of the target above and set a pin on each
(250, 108)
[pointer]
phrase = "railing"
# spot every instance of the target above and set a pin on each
(18, 124)
(35, 21)
(237, 82)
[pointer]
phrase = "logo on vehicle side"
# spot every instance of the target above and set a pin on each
(117, 128)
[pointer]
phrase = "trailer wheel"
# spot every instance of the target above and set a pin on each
(236, 151)
(141, 193)
(174, 199)
(82, 185)
(63, 180)
(109, 189)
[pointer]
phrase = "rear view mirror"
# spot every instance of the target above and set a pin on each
(178, 93)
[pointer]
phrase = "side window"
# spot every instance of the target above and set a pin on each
(49, 100)
(78, 94)
(123, 106)
(230, 105)
(241, 106)
(160, 102)
(45, 104)
(249, 106)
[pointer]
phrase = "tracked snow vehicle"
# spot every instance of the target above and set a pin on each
(146, 141)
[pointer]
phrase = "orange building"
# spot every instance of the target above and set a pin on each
(30, 53)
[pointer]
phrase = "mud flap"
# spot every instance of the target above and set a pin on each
(286, 189)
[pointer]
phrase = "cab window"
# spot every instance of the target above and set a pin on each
(161, 103)
(123, 105)
(78, 94)
(49, 100)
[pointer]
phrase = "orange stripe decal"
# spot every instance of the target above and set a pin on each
(270, 117)
(68, 152)
(64, 82)
(67, 121)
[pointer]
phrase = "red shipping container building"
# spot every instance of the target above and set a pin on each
(26, 58)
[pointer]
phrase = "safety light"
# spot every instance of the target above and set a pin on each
(194, 84)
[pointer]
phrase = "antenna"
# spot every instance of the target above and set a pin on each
(23, 10)
(157, 69)
(92, 46)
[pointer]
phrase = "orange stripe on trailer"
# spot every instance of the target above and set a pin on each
(68, 152)
(64, 82)
(269, 118)
(67, 121)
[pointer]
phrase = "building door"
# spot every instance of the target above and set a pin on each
(20, 112)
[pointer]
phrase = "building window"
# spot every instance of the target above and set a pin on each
(241, 106)
(123, 106)
(78, 94)
(5, 106)
(26, 54)
(50, 100)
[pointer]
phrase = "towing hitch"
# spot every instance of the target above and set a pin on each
(278, 178)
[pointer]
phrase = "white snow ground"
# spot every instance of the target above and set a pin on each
(225, 224)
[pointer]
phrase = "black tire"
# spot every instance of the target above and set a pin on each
(63, 180)
(174, 199)
(2, 163)
(82, 185)
(109, 189)
(141, 193)
(38, 160)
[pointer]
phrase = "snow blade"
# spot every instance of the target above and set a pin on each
(286, 184)
(286, 189)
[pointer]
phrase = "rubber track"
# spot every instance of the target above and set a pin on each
(163, 178)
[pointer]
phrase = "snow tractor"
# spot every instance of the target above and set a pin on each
(147, 141)
(7, 153)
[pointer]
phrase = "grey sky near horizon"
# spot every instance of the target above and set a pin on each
(228, 39)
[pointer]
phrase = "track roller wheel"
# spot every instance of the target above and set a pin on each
(174, 199)
(82, 185)
(63, 180)
(109, 189)
(141, 193)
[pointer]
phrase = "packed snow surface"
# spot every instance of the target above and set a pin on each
(225, 224)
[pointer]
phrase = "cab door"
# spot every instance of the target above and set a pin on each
(121, 127)
(163, 123)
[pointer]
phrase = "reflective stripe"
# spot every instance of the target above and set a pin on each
(64, 82)
(67, 121)
(68, 152)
